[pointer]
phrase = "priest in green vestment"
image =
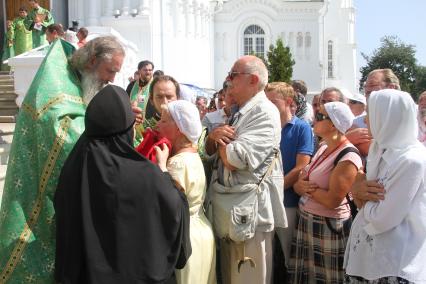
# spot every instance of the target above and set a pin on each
(49, 123)
(139, 96)
(22, 37)
(8, 50)
(37, 21)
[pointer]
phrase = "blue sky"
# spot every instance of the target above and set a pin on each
(403, 18)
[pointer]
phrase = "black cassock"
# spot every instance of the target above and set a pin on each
(119, 218)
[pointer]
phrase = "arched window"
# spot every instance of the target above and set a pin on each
(330, 59)
(254, 40)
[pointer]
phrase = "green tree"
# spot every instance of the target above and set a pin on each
(420, 82)
(396, 55)
(279, 62)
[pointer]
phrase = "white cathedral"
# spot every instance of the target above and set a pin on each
(197, 41)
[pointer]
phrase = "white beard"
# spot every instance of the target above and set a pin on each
(91, 85)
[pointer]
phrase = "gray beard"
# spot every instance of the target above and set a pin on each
(91, 85)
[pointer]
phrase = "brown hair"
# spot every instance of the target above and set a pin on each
(163, 78)
(282, 88)
(83, 31)
(56, 28)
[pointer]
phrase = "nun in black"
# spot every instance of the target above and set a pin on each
(119, 217)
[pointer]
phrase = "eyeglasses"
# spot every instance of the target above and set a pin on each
(233, 74)
(320, 117)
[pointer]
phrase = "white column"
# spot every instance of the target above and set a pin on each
(198, 23)
(189, 13)
(109, 7)
(126, 8)
(143, 7)
(182, 16)
(94, 13)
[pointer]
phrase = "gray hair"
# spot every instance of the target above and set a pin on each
(257, 67)
(101, 48)
(334, 89)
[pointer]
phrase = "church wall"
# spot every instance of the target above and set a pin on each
(197, 41)
(339, 27)
(173, 34)
(278, 19)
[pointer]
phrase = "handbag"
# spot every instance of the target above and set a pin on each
(234, 208)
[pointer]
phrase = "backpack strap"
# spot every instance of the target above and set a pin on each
(344, 152)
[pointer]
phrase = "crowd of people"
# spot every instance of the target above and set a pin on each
(36, 28)
(255, 185)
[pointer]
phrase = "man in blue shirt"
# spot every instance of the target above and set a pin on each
(296, 150)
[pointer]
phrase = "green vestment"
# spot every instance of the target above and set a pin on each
(50, 121)
(39, 36)
(8, 50)
(22, 38)
(141, 96)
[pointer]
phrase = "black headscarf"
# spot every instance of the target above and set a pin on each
(119, 218)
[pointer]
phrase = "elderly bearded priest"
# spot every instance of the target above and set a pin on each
(49, 123)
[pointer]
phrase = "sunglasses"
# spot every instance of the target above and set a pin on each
(354, 102)
(233, 74)
(320, 117)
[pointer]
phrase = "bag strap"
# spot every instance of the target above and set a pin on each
(348, 198)
(344, 152)
(336, 161)
(270, 168)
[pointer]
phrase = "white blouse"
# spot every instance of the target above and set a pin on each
(388, 238)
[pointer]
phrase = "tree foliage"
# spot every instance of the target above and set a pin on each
(279, 62)
(400, 57)
(420, 81)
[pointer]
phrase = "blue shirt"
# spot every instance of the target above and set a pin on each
(296, 138)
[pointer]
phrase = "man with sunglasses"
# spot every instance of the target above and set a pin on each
(247, 153)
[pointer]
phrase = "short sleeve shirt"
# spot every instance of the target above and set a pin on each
(296, 138)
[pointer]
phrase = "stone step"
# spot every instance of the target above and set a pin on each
(9, 96)
(7, 87)
(8, 112)
(8, 81)
(7, 105)
(7, 119)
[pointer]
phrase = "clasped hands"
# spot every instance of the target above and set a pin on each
(364, 190)
(222, 135)
(303, 186)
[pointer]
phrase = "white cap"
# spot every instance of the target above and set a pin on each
(340, 114)
(354, 96)
(187, 119)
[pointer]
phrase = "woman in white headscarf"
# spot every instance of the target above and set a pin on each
(324, 215)
(180, 123)
(387, 243)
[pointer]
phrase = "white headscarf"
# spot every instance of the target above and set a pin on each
(340, 114)
(393, 125)
(187, 119)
